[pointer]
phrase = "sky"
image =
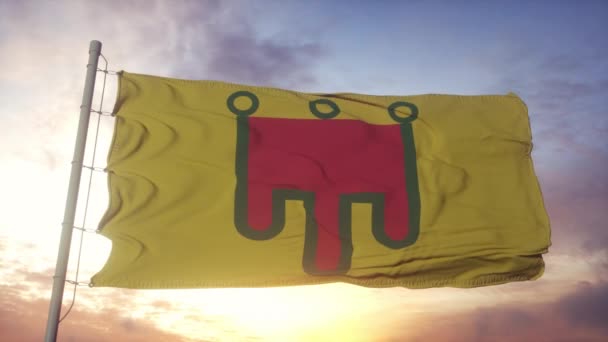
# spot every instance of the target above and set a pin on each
(553, 54)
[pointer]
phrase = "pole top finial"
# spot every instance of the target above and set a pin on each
(95, 46)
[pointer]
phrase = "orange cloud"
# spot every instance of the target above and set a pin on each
(23, 320)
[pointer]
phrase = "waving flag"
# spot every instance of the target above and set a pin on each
(225, 185)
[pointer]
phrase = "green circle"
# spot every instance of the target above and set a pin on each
(313, 108)
(255, 103)
(397, 118)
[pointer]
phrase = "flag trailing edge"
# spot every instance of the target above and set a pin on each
(224, 185)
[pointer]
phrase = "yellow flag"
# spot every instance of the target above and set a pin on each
(225, 185)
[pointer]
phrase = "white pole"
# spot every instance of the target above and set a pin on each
(72, 199)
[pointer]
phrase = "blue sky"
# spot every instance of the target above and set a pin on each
(553, 54)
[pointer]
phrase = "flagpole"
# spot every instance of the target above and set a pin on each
(72, 198)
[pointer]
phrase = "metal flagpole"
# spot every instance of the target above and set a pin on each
(74, 186)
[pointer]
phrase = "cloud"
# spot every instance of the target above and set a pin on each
(221, 43)
(44, 278)
(23, 320)
(242, 58)
(105, 313)
(577, 316)
(587, 307)
(192, 39)
(98, 317)
(562, 86)
(576, 192)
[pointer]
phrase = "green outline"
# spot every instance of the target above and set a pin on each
(255, 103)
(399, 119)
(413, 197)
(312, 235)
(411, 181)
(280, 196)
(241, 211)
(315, 111)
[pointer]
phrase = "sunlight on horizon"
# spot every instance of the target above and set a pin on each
(278, 314)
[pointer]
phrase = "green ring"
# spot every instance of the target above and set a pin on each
(313, 108)
(255, 103)
(399, 119)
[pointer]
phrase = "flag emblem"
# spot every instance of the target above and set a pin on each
(312, 161)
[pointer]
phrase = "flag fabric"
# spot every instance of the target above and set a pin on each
(225, 185)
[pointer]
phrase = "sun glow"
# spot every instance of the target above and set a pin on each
(333, 312)
(285, 310)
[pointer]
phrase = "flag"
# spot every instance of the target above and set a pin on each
(226, 185)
